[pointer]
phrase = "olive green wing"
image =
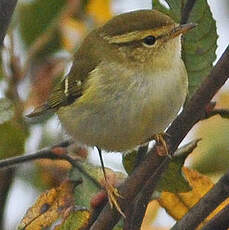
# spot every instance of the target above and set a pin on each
(69, 89)
(65, 93)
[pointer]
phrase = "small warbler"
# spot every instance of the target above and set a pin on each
(126, 84)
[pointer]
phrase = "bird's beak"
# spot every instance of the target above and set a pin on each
(181, 29)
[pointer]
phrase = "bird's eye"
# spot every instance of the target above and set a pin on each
(149, 40)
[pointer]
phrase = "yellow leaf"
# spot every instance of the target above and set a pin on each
(49, 207)
(100, 10)
(72, 32)
(177, 205)
(151, 213)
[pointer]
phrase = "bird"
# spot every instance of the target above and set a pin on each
(126, 84)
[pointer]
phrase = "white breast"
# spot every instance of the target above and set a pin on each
(118, 112)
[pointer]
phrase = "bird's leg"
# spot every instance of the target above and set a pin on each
(159, 138)
(112, 192)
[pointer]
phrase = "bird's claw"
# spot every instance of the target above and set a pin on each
(113, 194)
(159, 138)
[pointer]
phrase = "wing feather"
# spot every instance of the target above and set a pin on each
(68, 90)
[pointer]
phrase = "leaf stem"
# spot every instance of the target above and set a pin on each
(6, 10)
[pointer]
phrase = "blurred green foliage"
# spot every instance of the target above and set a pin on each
(37, 17)
(13, 134)
(211, 156)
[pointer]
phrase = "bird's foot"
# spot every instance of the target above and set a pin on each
(113, 194)
(159, 138)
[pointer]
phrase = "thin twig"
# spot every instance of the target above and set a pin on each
(220, 221)
(48, 153)
(13, 161)
(205, 206)
(224, 113)
(191, 114)
(186, 11)
(6, 10)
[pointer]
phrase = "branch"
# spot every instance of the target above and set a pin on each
(219, 221)
(10, 162)
(4, 191)
(206, 205)
(145, 197)
(6, 10)
(146, 193)
(48, 153)
(191, 114)
(142, 151)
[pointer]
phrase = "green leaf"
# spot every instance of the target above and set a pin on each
(199, 45)
(77, 220)
(85, 191)
(35, 18)
(12, 139)
(88, 189)
(173, 179)
(13, 135)
(129, 161)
